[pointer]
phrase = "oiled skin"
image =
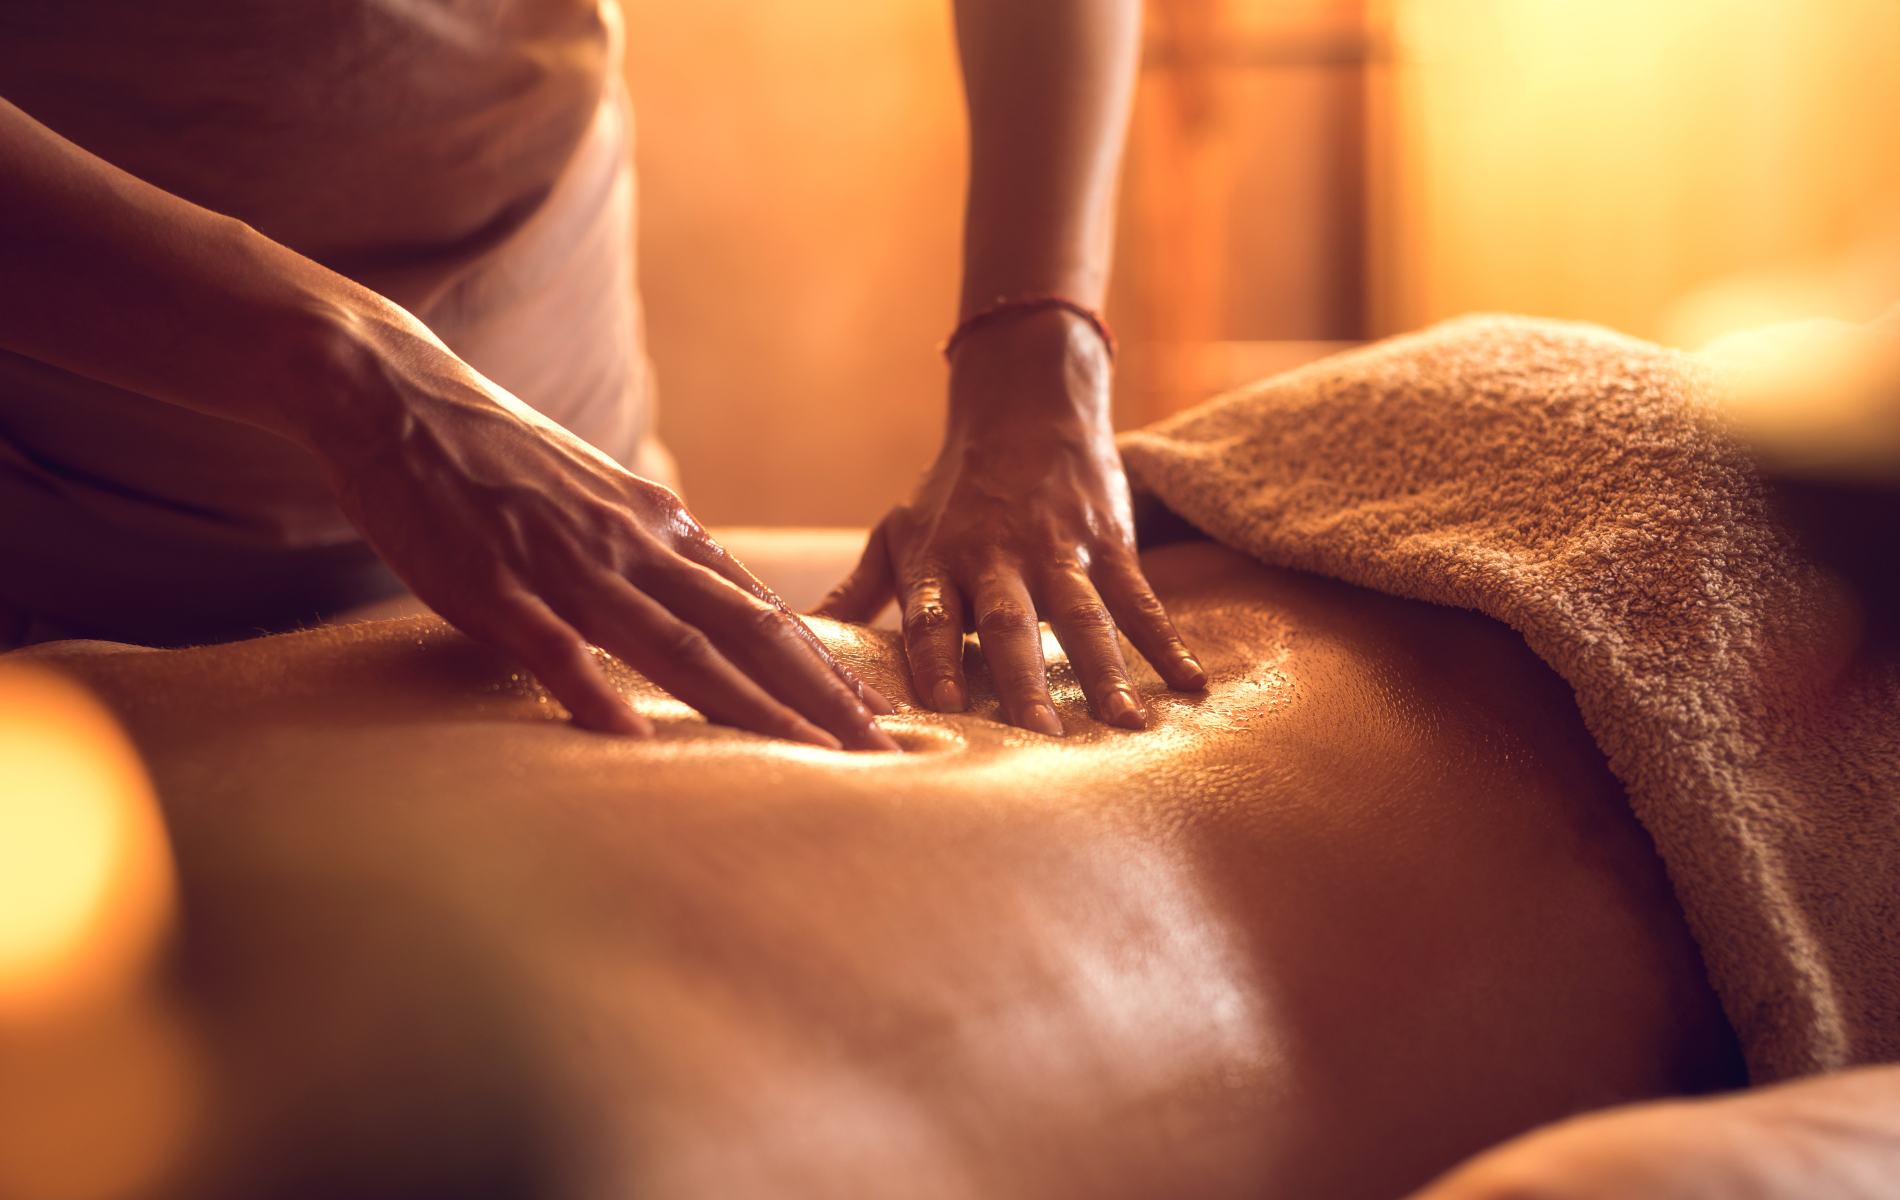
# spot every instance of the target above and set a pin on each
(1370, 904)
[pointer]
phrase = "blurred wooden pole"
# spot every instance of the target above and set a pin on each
(1244, 217)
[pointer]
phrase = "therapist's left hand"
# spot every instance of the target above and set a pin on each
(1025, 516)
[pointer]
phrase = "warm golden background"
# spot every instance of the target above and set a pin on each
(1302, 173)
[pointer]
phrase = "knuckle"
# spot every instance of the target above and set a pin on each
(773, 623)
(1087, 616)
(662, 496)
(927, 617)
(650, 497)
(684, 643)
(1005, 617)
(1147, 606)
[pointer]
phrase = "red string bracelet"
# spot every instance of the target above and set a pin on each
(1022, 306)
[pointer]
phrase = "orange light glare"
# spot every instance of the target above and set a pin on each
(100, 1078)
(85, 873)
(1818, 398)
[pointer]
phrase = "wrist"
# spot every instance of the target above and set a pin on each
(1006, 309)
(274, 340)
(332, 394)
(349, 367)
(1036, 367)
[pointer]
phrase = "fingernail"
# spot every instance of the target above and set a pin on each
(874, 700)
(1197, 679)
(1121, 708)
(1041, 719)
(811, 735)
(948, 697)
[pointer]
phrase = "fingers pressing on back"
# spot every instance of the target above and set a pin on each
(714, 557)
(1006, 628)
(526, 629)
(682, 659)
(775, 649)
(1087, 633)
(933, 639)
(1141, 616)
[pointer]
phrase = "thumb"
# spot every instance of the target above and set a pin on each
(868, 588)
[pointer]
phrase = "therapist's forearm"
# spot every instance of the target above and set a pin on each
(1048, 84)
(112, 278)
(512, 528)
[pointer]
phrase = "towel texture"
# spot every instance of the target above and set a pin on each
(1577, 485)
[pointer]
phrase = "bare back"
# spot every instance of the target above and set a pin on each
(1370, 904)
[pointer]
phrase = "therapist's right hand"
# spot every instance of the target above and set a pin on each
(529, 539)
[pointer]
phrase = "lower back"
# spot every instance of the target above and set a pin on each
(1368, 905)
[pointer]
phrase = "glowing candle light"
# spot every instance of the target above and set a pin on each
(85, 875)
(99, 1079)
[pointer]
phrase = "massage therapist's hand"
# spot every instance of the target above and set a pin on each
(1835, 1137)
(529, 539)
(1024, 515)
(519, 533)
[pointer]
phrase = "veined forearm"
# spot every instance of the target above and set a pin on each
(114, 279)
(1048, 84)
(510, 527)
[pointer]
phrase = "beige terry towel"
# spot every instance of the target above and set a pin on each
(1574, 484)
